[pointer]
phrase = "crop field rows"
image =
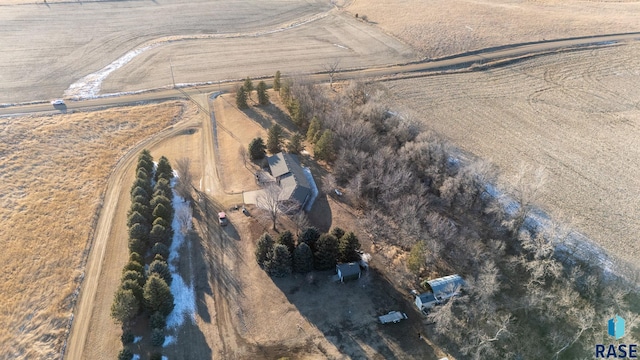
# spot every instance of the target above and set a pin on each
(575, 114)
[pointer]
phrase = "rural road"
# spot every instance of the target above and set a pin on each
(84, 307)
(452, 62)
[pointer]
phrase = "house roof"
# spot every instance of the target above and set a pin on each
(293, 181)
(446, 285)
(348, 269)
(427, 297)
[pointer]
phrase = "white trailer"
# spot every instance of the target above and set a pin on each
(392, 317)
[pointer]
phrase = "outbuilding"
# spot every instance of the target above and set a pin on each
(350, 271)
(439, 290)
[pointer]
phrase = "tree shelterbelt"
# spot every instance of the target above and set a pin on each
(416, 192)
(147, 293)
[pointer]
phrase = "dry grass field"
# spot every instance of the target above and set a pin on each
(576, 114)
(439, 28)
(54, 169)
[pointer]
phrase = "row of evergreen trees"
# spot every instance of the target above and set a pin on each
(243, 93)
(314, 250)
(147, 292)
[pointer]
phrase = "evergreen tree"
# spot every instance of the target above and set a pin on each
(163, 212)
(133, 266)
(162, 189)
(135, 287)
(144, 184)
(263, 249)
(125, 354)
(161, 268)
(160, 234)
(302, 258)
(274, 139)
(144, 209)
(133, 275)
(279, 263)
(248, 85)
(286, 239)
(157, 337)
(416, 257)
(349, 245)
(139, 191)
(134, 256)
(157, 320)
(314, 127)
(139, 231)
(160, 249)
(326, 252)
(257, 149)
(157, 295)
(125, 306)
(241, 98)
(137, 245)
(145, 160)
(263, 96)
(295, 145)
(309, 236)
(164, 170)
(285, 92)
(325, 147)
(136, 218)
(337, 232)
(276, 81)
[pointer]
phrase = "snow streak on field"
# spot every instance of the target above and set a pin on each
(576, 114)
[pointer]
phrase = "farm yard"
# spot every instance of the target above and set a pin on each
(575, 114)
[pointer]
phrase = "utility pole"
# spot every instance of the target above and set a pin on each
(173, 80)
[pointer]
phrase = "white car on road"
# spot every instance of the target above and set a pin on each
(57, 102)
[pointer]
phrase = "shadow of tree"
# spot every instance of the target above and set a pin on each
(346, 313)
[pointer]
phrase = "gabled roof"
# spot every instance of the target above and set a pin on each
(348, 269)
(293, 181)
(446, 285)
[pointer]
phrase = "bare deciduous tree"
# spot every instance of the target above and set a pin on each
(184, 184)
(270, 201)
(332, 68)
(244, 155)
(184, 216)
(301, 221)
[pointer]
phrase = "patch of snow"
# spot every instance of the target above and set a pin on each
(137, 339)
(89, 86)
(164, 357)
(183, 293)
(135, 357)
(314, 188)
(304, 152)
(168, 340)
(341, 46)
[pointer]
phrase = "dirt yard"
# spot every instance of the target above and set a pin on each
(54, 171)
(442, 27)
(575, 114)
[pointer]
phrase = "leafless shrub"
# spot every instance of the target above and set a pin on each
(184, 185)
(270, 201)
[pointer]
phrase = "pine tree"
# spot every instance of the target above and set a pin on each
(161, 268)
(248, 85)
(348, 247)
(337, 232)
(286, 239)
(309, 236)
(164, 170)
(285, 92)
(241, 98)
(326, 252)
(263, 97)
(416, 257)
(325, 148)
(136, 218)
(302, 258)
(295, 145)
(157, 295)
(163, 212)
(135, 287)
(276, 81)
(139, 231)
(133, 275)
(274, 139)
(279, 263)
(314, 127)
(263, 249)
(257, 149)
(125, 306)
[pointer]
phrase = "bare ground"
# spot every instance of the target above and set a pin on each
(575, 114)
(54, 171)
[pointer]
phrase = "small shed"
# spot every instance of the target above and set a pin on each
(446, 287)
(426, 301)
(350, 271)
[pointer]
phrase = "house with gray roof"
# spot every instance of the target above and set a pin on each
(439, 291)
(288, 173)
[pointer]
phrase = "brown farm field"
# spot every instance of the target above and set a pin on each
(575, 114)
(440, 28)
(54, 171)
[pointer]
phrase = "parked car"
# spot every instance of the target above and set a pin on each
(222, 219)
(57, 102)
